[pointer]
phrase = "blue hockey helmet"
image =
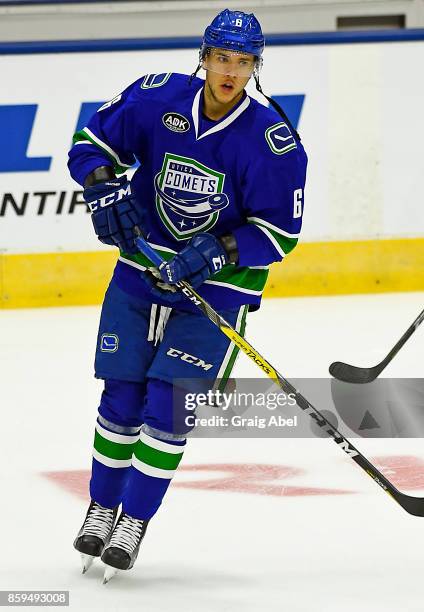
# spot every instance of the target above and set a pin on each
(235, 31)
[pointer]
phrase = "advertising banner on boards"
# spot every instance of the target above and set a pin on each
(358, 108)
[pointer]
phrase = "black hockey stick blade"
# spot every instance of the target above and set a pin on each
(353, 374)
(412, 505)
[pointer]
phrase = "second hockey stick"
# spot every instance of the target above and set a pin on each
(354, 374)
(412, 505)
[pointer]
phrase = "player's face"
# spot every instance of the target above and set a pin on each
(225, 89)
(229, 63)
(227, 74)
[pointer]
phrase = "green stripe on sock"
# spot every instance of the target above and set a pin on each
(114, 450)
(157, 458)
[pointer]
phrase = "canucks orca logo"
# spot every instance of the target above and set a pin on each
(189, 196)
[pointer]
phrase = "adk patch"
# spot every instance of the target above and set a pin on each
(189, 195)
(176, 122)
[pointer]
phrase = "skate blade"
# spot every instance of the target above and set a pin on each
(110, 572)
(86, 562)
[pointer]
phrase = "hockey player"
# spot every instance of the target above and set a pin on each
(219, 194)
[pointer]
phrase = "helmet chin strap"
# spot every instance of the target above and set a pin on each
(193, 74)
(276, 107)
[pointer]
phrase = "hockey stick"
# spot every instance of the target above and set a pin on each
(412, 505)
(353, 374)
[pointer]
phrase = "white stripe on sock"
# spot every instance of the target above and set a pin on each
(114, 437)
(113, 463)
(165, 447)
(149, 470)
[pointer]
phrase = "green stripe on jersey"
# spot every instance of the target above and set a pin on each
(141, 260)
(242, 277)
(286, 243)
(82, 136)
(251, 279)
(241, 328)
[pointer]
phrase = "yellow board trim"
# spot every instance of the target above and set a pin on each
(320, 268)
(55, 279)
(337, 268)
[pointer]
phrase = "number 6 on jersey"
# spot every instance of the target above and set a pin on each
(297, 203)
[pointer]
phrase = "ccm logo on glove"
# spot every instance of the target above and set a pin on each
(218, 262)
(111, 198)
(114, 212)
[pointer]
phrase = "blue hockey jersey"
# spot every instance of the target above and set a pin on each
(243, 174)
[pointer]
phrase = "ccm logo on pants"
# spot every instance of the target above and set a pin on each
(172, 352)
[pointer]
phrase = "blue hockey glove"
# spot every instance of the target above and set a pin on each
(114, 213)
(199, 259)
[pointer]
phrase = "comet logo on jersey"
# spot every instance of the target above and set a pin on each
(189, 196)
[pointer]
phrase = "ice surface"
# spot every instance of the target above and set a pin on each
(254, 534)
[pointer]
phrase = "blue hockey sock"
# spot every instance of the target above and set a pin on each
(113, 449)
(153, 465)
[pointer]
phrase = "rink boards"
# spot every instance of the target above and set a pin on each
(358, 109)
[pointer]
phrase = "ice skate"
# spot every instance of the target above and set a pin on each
(94, 533)
(122, 549)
